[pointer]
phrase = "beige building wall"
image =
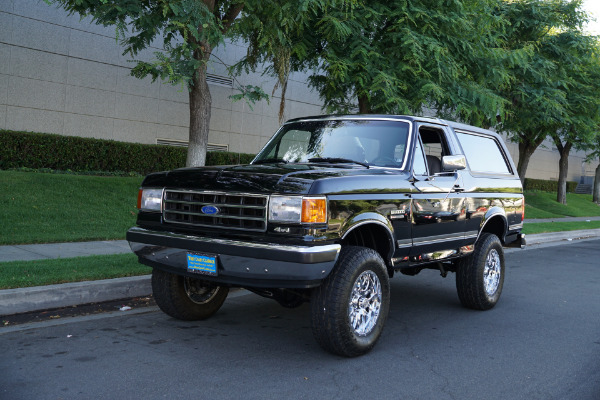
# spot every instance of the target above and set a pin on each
(544, 163)
(60, 74)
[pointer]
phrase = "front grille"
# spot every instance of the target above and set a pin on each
(235, 211)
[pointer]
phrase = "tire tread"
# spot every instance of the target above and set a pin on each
(329, 323)
(468, 284)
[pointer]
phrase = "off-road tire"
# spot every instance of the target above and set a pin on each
(169, 291)
(471, 274)
(330, 303)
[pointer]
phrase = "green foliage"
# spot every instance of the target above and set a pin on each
(57, 152)
(547, 185)
(228, 158)
(542, 83)
(188, 29)
(280, 36)
(389, 56)
(251, 94)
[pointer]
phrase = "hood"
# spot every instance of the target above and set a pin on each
(280, 178)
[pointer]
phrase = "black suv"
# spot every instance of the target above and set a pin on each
(327, 212)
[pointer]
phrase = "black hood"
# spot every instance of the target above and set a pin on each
(279, 178)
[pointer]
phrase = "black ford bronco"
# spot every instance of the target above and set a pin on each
(328, 211)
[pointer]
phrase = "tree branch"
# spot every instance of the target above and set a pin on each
(230, 16)
(210, 4)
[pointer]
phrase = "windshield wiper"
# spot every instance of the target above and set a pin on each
(270, 160)
(337, 160)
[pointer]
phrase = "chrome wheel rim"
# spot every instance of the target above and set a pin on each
(365, 303)
(198, 291)
(491, 272)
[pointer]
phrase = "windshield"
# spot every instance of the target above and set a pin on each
(372, 142)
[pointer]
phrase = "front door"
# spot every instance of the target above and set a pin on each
(438, 207)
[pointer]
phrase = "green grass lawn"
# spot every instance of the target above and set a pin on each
(542, 227)
(44, 208)
(544, 205)
(17, 274)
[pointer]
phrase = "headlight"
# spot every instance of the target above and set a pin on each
(150, 199)
(298, 209)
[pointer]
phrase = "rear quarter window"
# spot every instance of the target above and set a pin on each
(483, 153)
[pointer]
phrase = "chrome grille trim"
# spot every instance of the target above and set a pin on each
(239, 211)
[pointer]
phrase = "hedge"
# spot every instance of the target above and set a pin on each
(42, 150)
(547, 186)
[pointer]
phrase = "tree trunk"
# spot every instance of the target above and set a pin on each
(200, 104)
(596, 197)
(561, 195)
(200, 99)
(526, 150)
(363, 105)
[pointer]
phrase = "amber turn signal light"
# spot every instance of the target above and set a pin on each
(314, 210)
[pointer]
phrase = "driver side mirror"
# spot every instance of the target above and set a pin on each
(454, 163)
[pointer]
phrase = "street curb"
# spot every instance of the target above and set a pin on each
(541, 238)
(16, 301)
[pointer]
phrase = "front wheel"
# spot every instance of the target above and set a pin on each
(480, 276)
(185, 298)
(348, 311)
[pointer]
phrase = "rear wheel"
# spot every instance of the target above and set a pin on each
(480, 276)
(186, 298)
(348, 311)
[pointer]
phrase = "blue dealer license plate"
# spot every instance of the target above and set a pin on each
(202, 263)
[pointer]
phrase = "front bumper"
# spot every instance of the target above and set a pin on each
(240, 263)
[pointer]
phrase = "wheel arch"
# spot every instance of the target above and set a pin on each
(494, 222)
(370, 230)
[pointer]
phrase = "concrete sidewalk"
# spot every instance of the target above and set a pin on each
(28, 252)
(15, 301)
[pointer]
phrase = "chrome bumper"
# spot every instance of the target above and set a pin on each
(240, 263)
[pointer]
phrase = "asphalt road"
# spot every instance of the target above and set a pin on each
(542, 341)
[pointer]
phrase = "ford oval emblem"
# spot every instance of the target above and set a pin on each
(210, 210)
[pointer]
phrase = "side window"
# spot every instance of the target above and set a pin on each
(434, 146)
(483, 153)
(419, 166)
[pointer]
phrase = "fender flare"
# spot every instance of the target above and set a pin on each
(491, 214)
(371, 218)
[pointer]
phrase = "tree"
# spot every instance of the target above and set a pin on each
(579, 59)
(536, 96)
(397, 57)
(189, 29)
(281, 36)
(596, 189)
(594, 147)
